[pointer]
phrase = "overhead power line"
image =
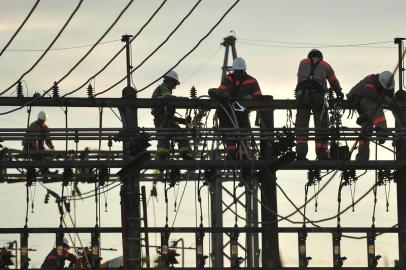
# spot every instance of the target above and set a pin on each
(20, 27)
(195, 47)
(84, 56)
(156, 49)
(271, 44)
(118, 53)
(94, 45)
(47, 49)
(64, 48)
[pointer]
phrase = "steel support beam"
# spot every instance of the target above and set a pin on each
(54, 230)
(266, 102)
(210, 164)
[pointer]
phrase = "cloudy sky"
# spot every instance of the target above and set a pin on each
(356, 38)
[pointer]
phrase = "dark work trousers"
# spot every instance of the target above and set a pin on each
(232, 145)
(164, 144)
(302, 132)
(371, 114)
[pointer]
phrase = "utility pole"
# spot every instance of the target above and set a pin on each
(130, 190)
(267, 180)
(399, 42)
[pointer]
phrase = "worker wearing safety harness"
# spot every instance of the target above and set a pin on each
(164, 117)
(368, 97)
(236, 86)
(310, 93)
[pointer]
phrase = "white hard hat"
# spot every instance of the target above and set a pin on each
(239, 64)
(65, 241)
(42, 115)
(173, 75)
(386, 80)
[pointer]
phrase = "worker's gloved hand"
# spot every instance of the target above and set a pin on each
(217, 94)
(340, 95)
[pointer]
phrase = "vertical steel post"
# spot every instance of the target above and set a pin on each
(337, 259)
(130, 192)
(401, 201)
(229, 42)
(126, 39)
(95, 250)
(216, 206)
(399, 42)
(372, 259)
(200, 260)
(251, 206)
(164, 259)
(24, 259)
(234, 260)
(145, 219)
(270, 239)
(303, 259)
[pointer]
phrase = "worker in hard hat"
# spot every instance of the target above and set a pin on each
(164, 117)
(237, 85)
(310, 93)
(35, 147)
(368, 98)
(55, 260)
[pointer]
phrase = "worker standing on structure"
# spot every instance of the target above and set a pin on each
(368, 97)
(36, 147)
(55, 260)
(236, 85)
(164, 117)
(311, 90)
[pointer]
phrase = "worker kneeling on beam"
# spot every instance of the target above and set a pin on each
(35, 148)
(310, 93)
(164, 117)
(236, 85)
(368, 97)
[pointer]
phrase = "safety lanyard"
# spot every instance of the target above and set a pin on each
(313, 67)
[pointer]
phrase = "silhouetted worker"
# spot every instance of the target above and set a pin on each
(37, 146)
(237, 85)
(368, 97)
(55, 260)
(164, 117)
(5, 259)
(311, 89)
